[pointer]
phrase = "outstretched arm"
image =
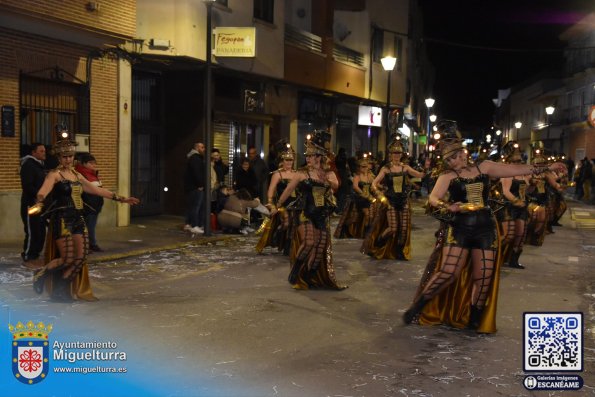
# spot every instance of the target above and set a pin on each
(88, 187)
(500, 170)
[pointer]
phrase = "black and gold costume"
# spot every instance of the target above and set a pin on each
(390, 234)
(538, 201)
(312, 263)
(358, 213)
(452, 291)
(65, 220)
(278, 229)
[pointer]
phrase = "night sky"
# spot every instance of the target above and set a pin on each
(468, 78)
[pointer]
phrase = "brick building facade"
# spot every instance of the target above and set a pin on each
(53, 44)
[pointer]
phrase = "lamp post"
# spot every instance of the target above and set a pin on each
(388, 64)
(429, 103)
(549, 111)
(207, 112)
(518, 126)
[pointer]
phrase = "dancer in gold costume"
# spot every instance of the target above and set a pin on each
(65, 275)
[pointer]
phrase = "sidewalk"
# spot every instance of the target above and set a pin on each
(144, 235)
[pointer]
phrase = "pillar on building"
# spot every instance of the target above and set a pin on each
(124, 139)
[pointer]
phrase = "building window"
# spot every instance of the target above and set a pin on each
(377, 45)
(45, 104)
(264, 10)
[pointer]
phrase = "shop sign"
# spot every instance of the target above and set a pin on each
(235, 42)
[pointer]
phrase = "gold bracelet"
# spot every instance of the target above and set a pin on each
(441, 205)
(115, 197)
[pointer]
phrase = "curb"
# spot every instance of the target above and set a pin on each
(144, 251)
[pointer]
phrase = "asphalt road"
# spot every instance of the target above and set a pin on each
(219, 320)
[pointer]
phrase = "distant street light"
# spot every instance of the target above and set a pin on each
(388, 64)
(433, 118)
(429, 103)
(549, 111)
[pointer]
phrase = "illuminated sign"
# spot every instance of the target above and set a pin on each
(235, 42)
(369, 115)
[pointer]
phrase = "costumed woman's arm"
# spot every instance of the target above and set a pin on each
(378, 179)
(287, 192)
(413, 172)
(331, 177)
(48, 185)
(275, 178)
(44, 190)
(90, 188)
(356, 188)
(500, 170)
(439, 191)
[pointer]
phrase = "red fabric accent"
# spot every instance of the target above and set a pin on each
(88, 173)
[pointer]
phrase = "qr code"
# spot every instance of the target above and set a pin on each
(553, 342)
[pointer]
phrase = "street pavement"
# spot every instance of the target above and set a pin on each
(209, 317)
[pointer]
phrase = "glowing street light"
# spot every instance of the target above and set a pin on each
(429, 103)
(388, 64)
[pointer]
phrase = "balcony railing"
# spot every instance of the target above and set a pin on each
(302, 39)
(345, 54)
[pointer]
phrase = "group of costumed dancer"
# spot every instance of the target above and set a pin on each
(487, 210)
(65, 275)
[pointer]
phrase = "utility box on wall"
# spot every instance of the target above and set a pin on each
(83, 143)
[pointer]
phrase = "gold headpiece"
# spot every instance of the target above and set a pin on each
(288, 153)
(511, 152)
(396, 146)
(537, 153)
(363, 161)
(450, 141)
(315, 143)
(65, 143)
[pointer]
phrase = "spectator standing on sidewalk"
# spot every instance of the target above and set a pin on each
(221, 169)
(87, 167)
(32, 176)
(194, 187)
(261, 172)
(244, 178)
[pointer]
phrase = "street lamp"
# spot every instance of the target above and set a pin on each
(429, 103)
(549, 111)
(207, 111)
(518, 126)
(388, 64)
(433, 118)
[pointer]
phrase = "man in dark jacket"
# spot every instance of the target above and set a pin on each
(194, 187)
(261, 171)
(32, 177)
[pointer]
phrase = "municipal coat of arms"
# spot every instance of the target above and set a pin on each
(30, 351)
